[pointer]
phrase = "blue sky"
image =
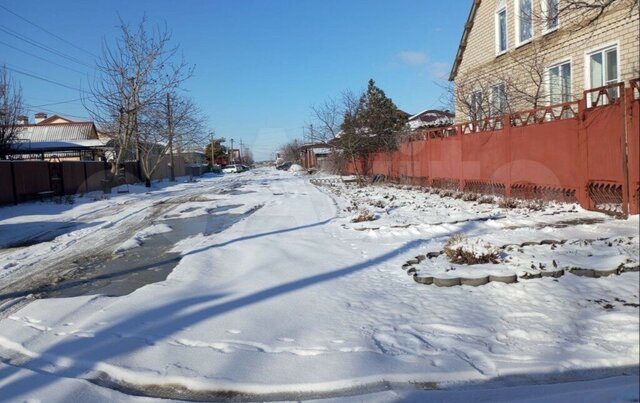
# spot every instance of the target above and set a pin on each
(259, 64)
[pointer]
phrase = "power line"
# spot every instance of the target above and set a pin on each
(41, 58)
(35, 43)
(55, 112)
(45, 79)
(59, 103)
(47, 31)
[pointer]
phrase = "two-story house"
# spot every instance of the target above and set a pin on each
(524, 54)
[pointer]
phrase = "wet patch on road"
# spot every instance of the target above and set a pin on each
(121, 274)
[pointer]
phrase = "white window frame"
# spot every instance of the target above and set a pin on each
(516, 19)
(491, 100)
(558, 63)
(497, 29)
(479, 110)
(587, 65)
(545, 10)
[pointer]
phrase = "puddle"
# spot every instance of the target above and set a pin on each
(117, 275)
(574, 222)
(211, 210)
(241, 192)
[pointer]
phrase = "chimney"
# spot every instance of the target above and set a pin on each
(40, 116)
(22, 120)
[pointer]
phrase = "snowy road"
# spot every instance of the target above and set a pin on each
(295, 302)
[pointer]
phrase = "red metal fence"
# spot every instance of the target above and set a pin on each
(585, 151)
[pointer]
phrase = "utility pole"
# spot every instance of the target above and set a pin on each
(170, 128)
(232, 156)
(241, 151)
(211, 142)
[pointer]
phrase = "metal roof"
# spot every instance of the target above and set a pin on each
(58, 132)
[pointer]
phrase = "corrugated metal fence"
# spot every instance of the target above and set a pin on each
(31, 180)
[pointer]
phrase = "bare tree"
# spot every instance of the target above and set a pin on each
(291, 151)
(326, 119)
(164, 130)
(585, 13)
(247, 156)
(492, 92)
(11, 108)
(134, 75)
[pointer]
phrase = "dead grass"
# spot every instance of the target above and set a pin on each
(486, 200)
(377, 203)
(459, 255)
(508, 202)
(363, 215)
(470, 197)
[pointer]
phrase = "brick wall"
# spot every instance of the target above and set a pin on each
(569, 42)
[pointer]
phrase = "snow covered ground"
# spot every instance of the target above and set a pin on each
(296, 301)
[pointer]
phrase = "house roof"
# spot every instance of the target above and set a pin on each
(27, 147)
(57, 132)
(463, 41)
(430, 115)
(53, 118)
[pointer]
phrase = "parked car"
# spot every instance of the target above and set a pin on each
(233, 169)
(284, 166)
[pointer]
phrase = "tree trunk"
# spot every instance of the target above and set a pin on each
(355, 169)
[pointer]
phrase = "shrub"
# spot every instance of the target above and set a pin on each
(363, 215)
(469, 197)
(508, 202)
(486, 200)
(459, 250)
(535, 205)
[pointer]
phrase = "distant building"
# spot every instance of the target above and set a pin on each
(430, 118)
(59, 137)
(313, 155)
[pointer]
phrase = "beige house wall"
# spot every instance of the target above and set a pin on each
(482, 67)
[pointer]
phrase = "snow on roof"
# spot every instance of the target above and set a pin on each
(431, 114)
(57, 145)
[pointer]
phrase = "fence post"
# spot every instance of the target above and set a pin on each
(627, 100)
(633, 190)
(86, 179)
(461, 183)
(506, 127)
(583, 156)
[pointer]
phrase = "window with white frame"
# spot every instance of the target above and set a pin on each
(602, 68)
(550, 14)
(524, 21)
(559, 83)
(498, 99)
(477, 99)
(501, 30)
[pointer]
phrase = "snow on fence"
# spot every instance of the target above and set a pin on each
(584, 151)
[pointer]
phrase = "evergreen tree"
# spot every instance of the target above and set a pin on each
(371, 127)
(379, 117)
(219, 150)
